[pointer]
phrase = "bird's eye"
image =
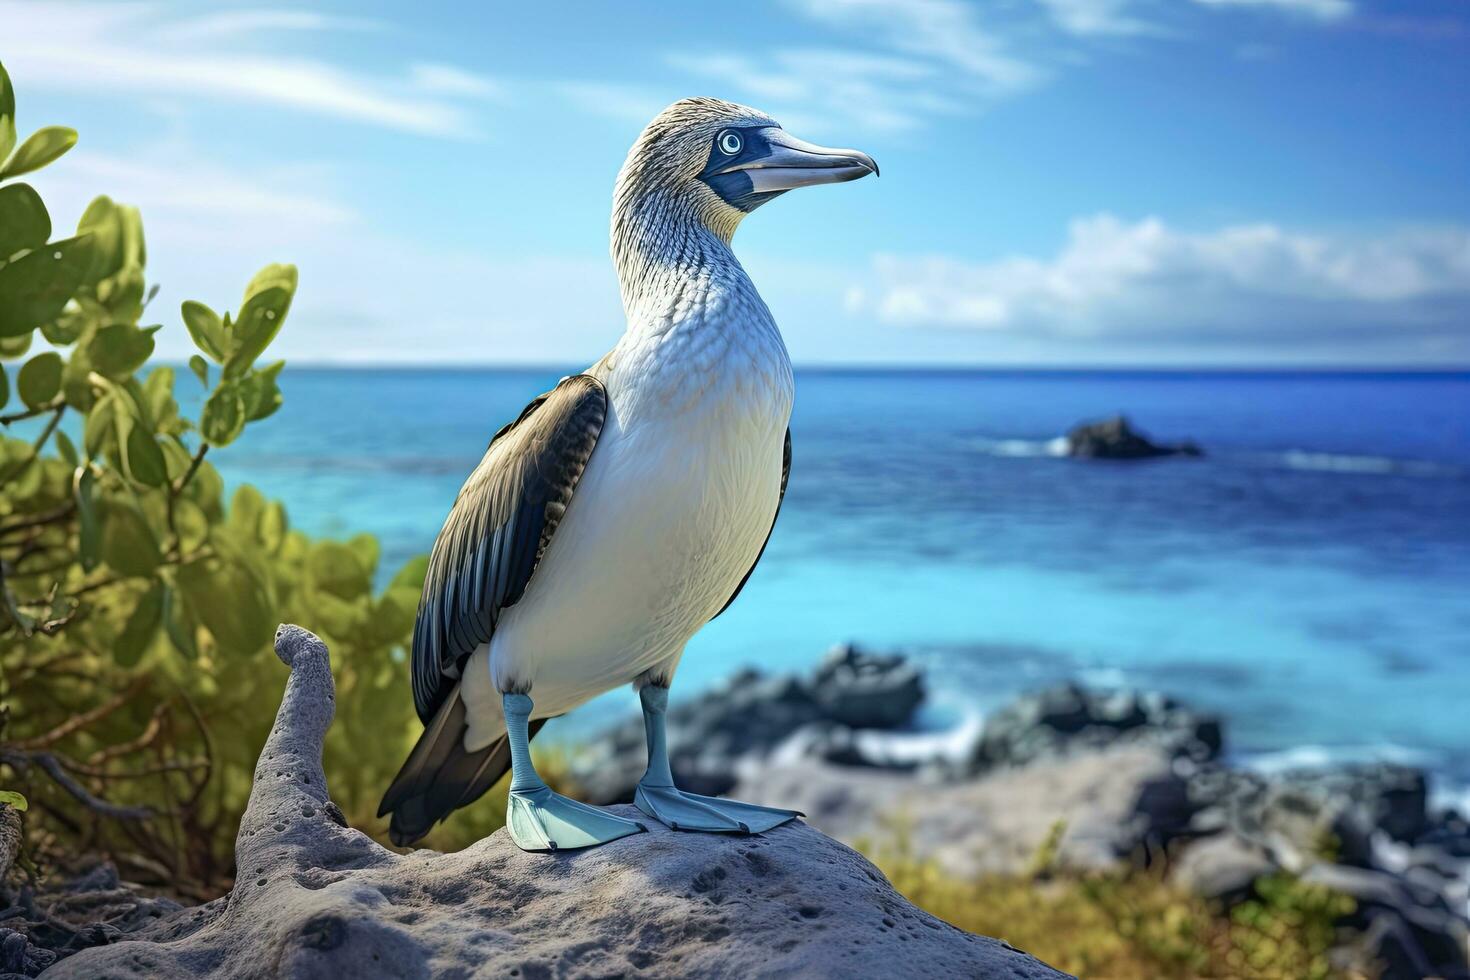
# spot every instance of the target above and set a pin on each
(730, 143)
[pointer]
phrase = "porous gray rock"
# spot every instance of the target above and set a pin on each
(314, 898)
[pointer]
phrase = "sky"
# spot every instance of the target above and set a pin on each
(1064, 182)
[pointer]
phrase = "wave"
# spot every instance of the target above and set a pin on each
(1302, 459)
(1300, 757)
(1023, 448)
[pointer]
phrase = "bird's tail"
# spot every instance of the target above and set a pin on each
(439, 776)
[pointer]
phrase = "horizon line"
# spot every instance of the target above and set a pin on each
(920, 367)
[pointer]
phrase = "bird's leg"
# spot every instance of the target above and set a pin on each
(538, 818)
(658, 797)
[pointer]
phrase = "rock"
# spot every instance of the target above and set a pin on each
(866, 690)
(1115, 438)
(1114, 803)
(316, 899)
(1411, 926)
(1069, 719)
(1294, 813)
(749, 716)
(1221, 868)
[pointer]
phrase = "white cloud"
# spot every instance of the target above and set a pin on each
(366, 295)
(947, 32)
(801, 86)
(1098, 17)
(1324, 10)
(238, 23)
(87, 48)
(1146, 280)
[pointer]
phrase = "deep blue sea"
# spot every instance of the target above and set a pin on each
(1309, 577)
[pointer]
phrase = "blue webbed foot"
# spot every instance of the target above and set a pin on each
(543, 820)
(538, 818)
(660, 799)
(690, 811)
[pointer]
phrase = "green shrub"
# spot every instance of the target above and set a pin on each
(1125, 922)
(139, 599)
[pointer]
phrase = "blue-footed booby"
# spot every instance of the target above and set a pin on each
(623, 509)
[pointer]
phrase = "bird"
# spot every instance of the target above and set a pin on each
(623, 509)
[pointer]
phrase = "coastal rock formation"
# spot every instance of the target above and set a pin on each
(1115, 438)
(1068, 719)
(315, 898)
(1133, 776)
(750, 715)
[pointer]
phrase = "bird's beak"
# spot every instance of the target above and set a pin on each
(793, 163)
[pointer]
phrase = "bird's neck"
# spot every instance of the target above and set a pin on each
(692, 310)
(667, 256)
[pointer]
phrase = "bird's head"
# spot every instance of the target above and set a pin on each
(719, 161)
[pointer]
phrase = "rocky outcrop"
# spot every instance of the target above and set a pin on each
(1069, 719)
(1132, 776)
(748, 717)
(315, 898)
(1115, 438)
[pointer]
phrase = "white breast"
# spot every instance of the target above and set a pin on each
(669, 516)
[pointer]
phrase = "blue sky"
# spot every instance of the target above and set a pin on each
(1077, 182)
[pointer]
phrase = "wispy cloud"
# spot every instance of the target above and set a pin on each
(948, 32)
(797, 86)
(1324, 10)
(88, 47)
(1089, 18)
(1114, 278)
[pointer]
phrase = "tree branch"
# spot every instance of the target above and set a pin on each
(58, 402)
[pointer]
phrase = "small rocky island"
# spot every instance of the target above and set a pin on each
(315, 898)
(1116, 438)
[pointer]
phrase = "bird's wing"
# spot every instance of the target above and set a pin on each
(785, 475)
(498, 530)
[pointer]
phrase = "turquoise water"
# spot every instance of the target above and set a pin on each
(1310, 577)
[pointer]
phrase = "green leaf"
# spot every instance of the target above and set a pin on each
(267, 300)
(260, 393)
(7, 115)
(179, 624)
(339, 570)
(158, 392)
(200, 367)
(273, 526)
(67, 449)
(15, 347)
(24, 222)
(10, 797)
(40, 379)
(223, 417)
(117, 241)
(35, 287)
(119, 349)
(128, 545)
(410, 577)
(142, 459)
(231, 602)
(89, 534)
(99, 431)
(43, 146)
(206, 329)
(141, 627)
(67, 328)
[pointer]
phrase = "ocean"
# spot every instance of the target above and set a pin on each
(1309, 577)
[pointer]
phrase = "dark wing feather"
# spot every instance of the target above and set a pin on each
(499, 528)
(785, 475)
